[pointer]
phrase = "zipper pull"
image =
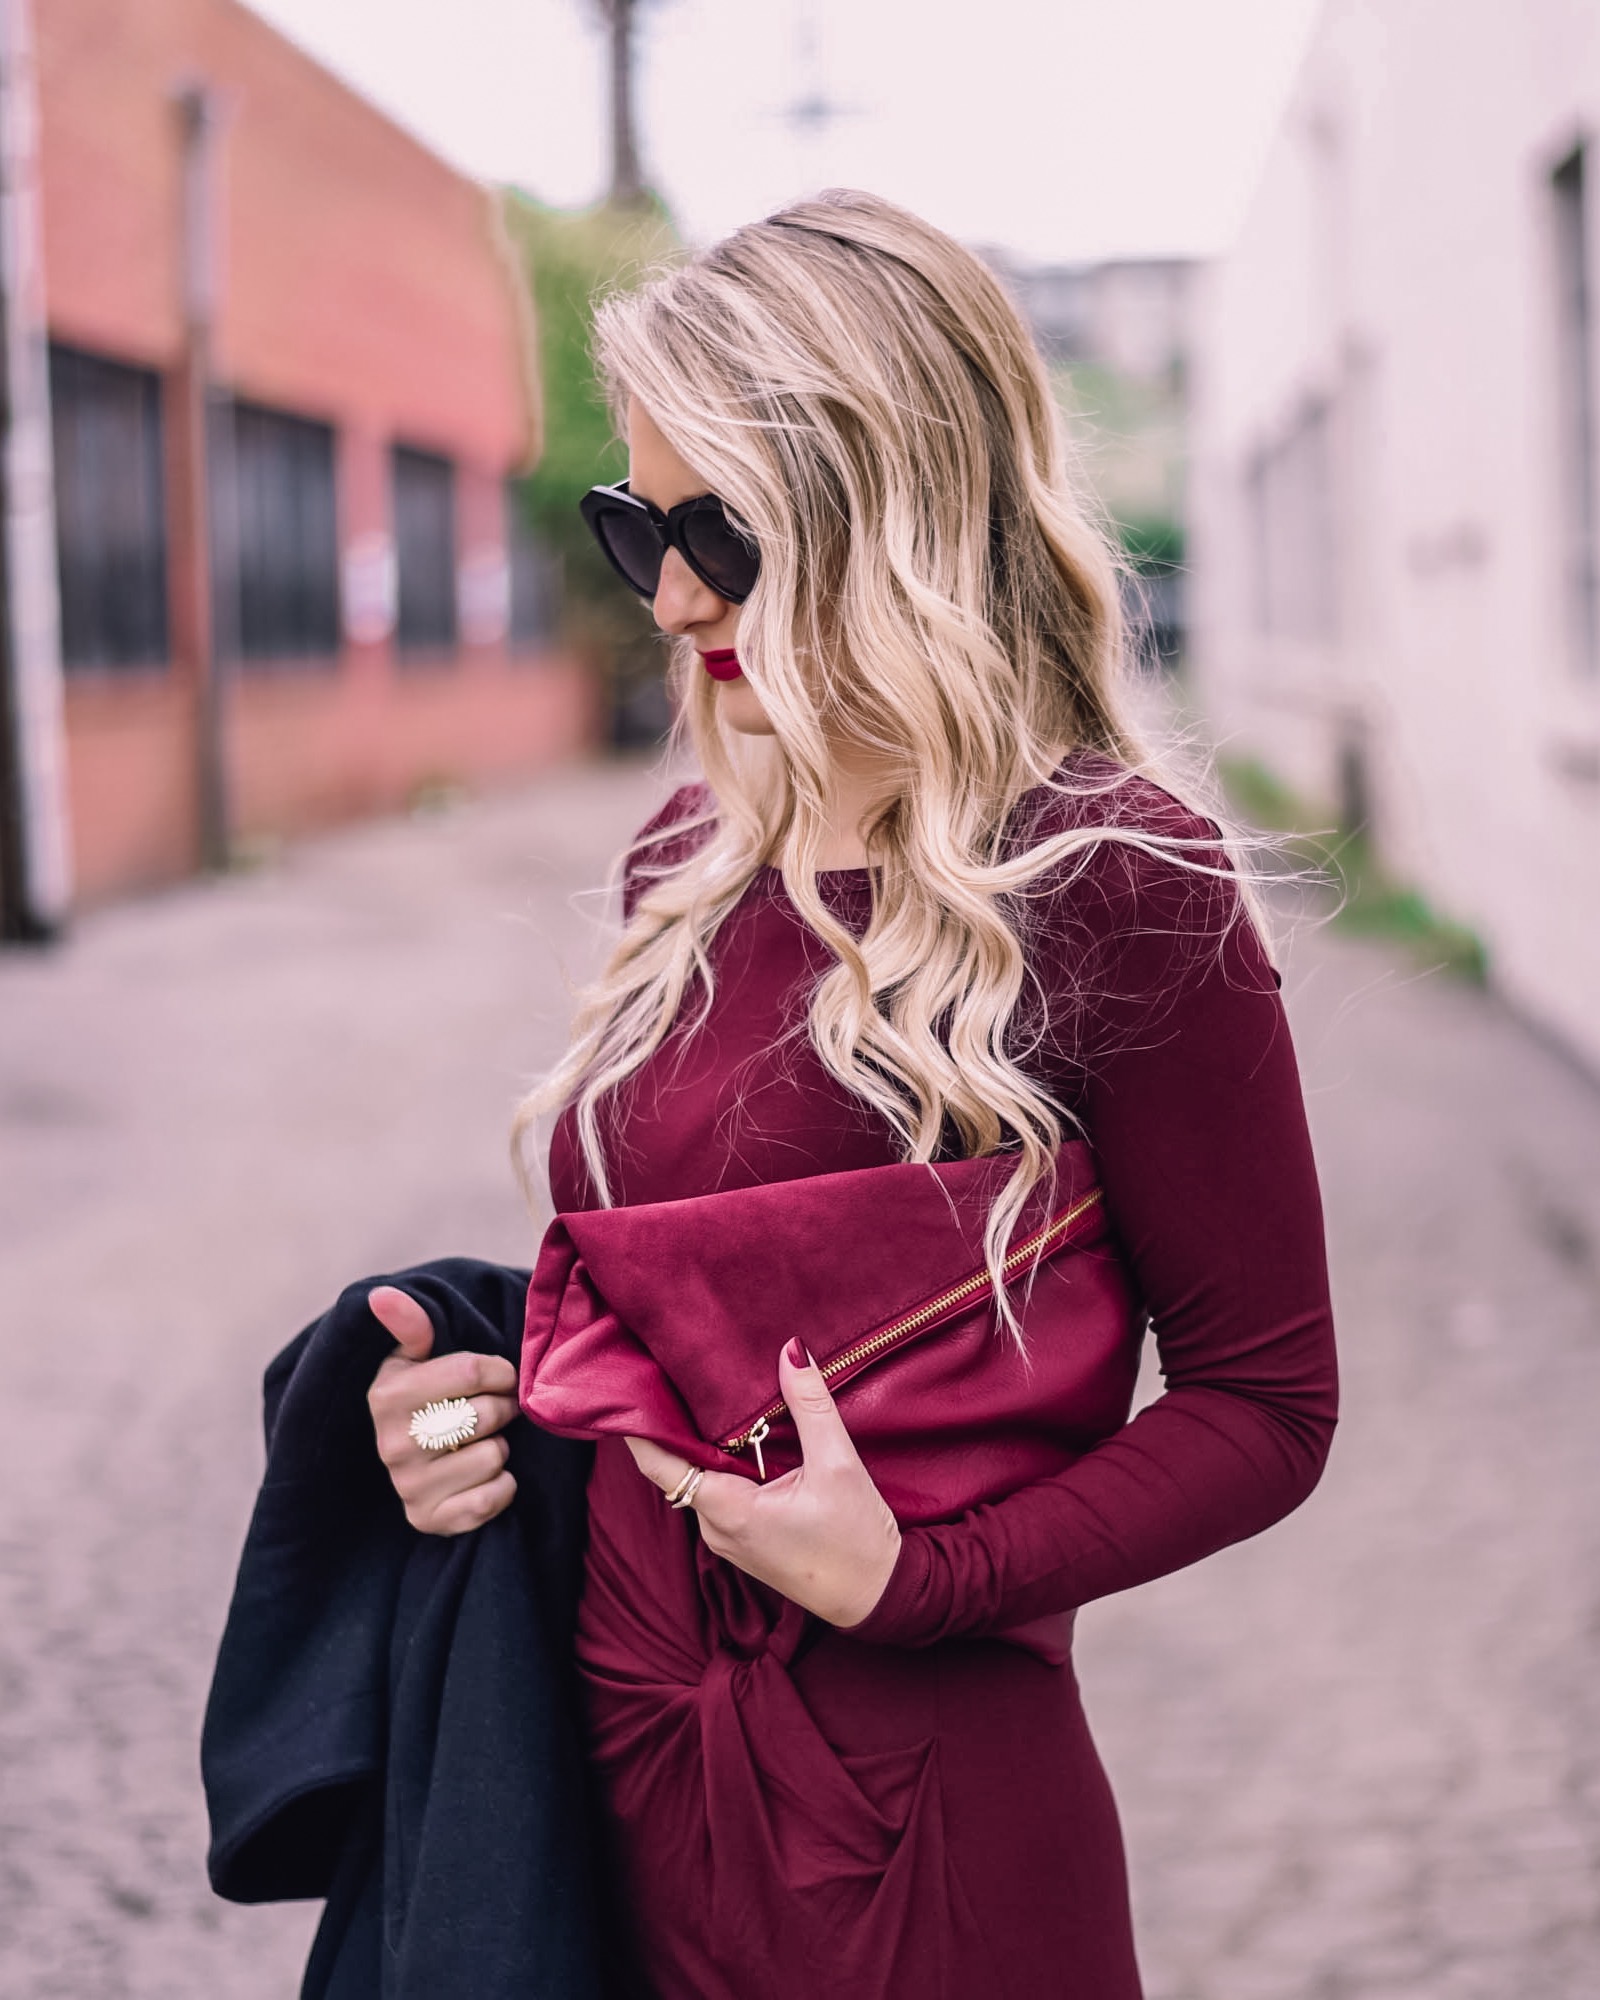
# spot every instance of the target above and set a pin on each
(756, 1440)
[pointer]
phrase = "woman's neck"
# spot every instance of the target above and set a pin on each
(861, 784)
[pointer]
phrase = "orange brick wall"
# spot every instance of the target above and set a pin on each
(361, 285)
(337, 747)
(132, 789)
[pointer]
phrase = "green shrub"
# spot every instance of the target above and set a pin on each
(571, 257)
(1152, 543)
(1370, 902)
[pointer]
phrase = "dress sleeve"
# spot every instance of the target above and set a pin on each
(667, 837)
(1191, 1097)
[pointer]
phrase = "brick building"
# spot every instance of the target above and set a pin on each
(279, 326)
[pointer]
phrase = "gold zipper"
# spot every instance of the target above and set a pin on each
(756, 1434)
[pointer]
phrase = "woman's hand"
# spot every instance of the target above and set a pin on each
(822, 1534)
(445, 1492)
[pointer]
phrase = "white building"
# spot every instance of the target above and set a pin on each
(1128, 314)
(1394, 480)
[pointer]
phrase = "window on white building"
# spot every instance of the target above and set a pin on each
(1290, 487)
(1576, 413)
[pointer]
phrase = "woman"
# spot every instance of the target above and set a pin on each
(926, 904)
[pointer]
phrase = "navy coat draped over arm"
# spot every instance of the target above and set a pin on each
(391, 1723)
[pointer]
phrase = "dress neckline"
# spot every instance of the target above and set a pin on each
(770, 868)
(772, 873)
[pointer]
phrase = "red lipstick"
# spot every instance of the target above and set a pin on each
(722, 665)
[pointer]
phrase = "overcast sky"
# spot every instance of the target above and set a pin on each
(1061, 129)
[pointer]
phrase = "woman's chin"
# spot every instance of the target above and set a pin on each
(739, 708)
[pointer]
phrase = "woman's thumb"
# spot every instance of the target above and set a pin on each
(823, 1437)
(405, 1318)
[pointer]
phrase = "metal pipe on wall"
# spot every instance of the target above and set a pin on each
(35, 845)
(200, 125)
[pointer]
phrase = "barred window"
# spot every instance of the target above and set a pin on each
(425, 550)
(1290, 486)
(277, 533)
(535, 575)
(111, 535)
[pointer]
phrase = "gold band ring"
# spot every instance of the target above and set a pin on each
(682, 1495)
(677, 1492)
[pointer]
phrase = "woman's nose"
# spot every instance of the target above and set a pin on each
(682, 601)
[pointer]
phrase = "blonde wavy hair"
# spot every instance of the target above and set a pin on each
(864, 396)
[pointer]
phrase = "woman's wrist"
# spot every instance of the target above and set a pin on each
(901, 1590)
(863, 1598)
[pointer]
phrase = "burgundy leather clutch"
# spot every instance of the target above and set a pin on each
(664, 1320)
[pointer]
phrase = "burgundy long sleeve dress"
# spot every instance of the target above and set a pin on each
(913, 1809)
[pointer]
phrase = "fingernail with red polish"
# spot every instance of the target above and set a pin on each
(798, 1357)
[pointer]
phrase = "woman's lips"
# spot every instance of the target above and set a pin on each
(722, 665)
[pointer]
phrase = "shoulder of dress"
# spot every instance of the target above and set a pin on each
(690, 803)
(671, 829)
(669, 836)
(1091, 791)
(1155, 866)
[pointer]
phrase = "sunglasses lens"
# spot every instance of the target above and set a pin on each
(728, 558)
(631, 541)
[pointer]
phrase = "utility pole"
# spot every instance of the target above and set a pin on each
(812, 112)
(35, 853)
(620, 18)
(199, 119)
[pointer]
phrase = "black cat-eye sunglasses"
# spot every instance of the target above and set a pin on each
(634, 536)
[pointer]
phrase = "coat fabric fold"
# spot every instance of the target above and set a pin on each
(392, 1722)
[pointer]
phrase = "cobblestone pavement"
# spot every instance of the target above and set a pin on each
(1359, 1759)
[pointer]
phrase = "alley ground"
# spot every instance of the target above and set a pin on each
(1359, 1759)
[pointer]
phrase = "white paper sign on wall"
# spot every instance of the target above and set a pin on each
(483, 587)
(369, 589)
